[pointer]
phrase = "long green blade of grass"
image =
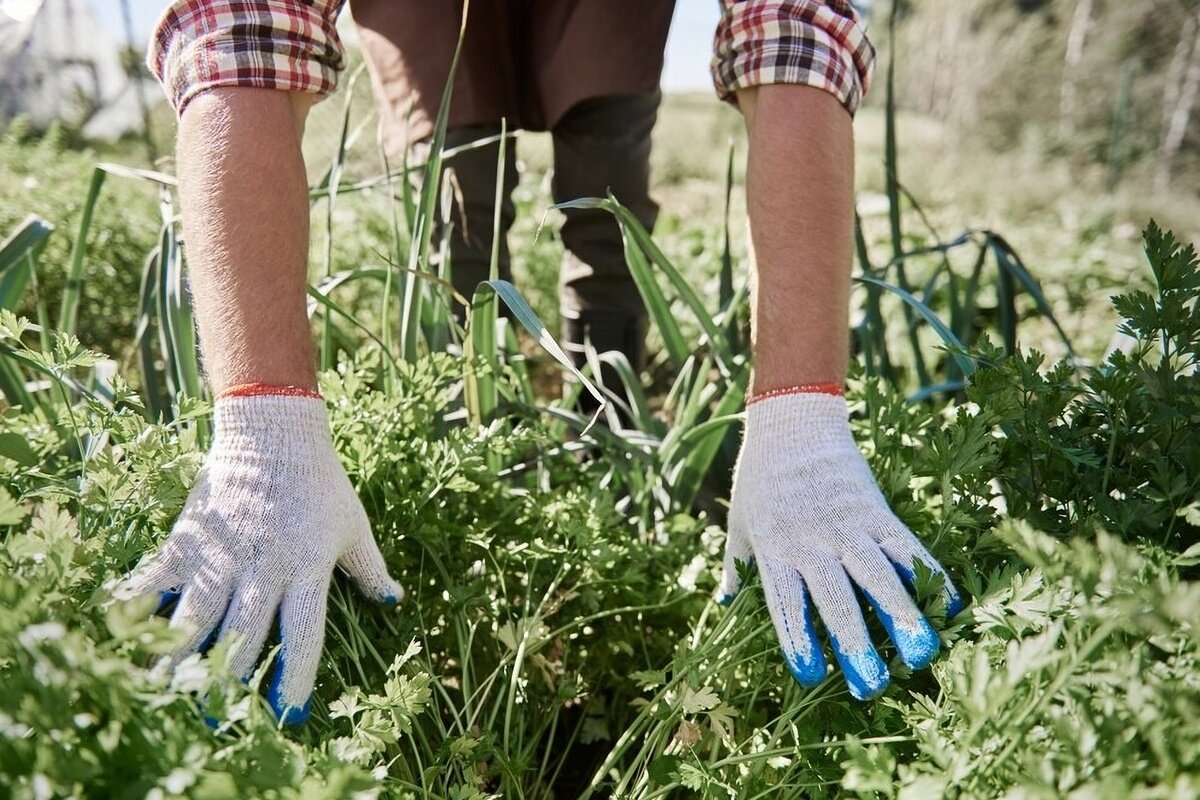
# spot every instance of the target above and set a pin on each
(410, 307)
(870, 332)
(657, 305)
(635, 396)
(1006, 306)
(332, 178)
(696, 449)
(530, 321)
(892, 179)
(956, 348)
(480, 344)
(153, 391)
(520, 390)
(12, 383)
(70, 298)
(681, 285)
(481, 393)
(1010, 262)
(18, 255)
(725, 285)
(320, 296)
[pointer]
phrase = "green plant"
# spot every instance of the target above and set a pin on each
(1121, 446)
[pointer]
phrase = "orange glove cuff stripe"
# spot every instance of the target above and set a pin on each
(267, 390)
(803, 388)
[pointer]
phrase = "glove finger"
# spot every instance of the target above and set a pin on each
(365, 565)
(787, 601)
(903, 549)
(915, 639)
(248, 621)
(737, 550)
(200, 609)
(302, 635)
(834, 597)
(159, 575)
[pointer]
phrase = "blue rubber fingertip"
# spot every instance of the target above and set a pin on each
(166, 598)
(865, 673)
(725, 599)
(286, 713)
(208, 642)
(916, 648)
(294, 715)
(807, 672)
(906, 574)
(212, 722)
(812, 670)
(391, 600)
(955, 604)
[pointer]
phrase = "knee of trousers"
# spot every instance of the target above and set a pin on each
(601, 147)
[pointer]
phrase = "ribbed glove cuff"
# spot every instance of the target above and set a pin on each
(279, 427)
(811, 420)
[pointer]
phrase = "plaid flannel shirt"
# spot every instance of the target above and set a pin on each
(292, 45)
(809, 42)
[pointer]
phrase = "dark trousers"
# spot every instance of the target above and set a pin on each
(600, 146)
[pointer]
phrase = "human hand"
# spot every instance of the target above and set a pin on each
(270, 515)
(807, 509)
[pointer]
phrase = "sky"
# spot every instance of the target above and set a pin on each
(689, 46)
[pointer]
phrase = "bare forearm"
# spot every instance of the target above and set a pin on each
(800, 194)
(245, 218)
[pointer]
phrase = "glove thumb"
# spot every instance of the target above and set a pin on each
(365, 565)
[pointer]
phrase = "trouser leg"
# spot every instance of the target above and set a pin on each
(600, 146)
(471, 178)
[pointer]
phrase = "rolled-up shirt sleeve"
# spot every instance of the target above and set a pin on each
(819, 43)
(288, 45)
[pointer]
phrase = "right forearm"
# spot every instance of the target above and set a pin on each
(245, 217)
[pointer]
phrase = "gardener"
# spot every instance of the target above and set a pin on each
(273, 511)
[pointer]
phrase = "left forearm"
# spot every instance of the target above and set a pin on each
(800, 198)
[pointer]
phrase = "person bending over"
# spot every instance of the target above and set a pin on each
(273, 513)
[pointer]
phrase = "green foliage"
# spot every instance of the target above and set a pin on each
(43, 176)
(552, 645)
(1076, 679)
(508, 636)
(1119, 448)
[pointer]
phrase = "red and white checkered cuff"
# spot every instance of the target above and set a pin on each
(287, 45)
(819, 43)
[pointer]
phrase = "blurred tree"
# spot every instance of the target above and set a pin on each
(1179, 96)
(1051, 73)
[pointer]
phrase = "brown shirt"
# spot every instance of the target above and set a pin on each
(526, 61)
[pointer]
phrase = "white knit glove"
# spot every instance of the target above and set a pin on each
(270, 515)
(806, 509)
